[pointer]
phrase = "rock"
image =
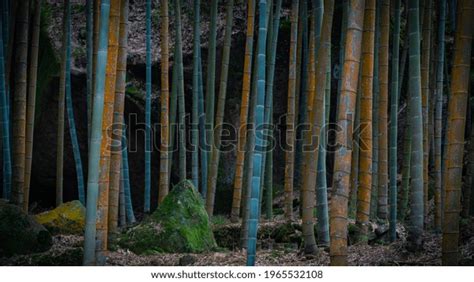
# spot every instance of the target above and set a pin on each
(179, 225)
(68, 218)
(21, 233)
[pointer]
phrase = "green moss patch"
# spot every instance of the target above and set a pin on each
(68, 218)
(179, 225)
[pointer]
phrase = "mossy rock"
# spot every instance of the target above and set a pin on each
(67, 218)
(21, 233)
(179, 225)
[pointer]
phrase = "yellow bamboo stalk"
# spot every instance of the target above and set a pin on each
(365, 141)
(455, 135)
(107, 119)
(345, 119)
(318, 87)
(118, 121)
(165, 98)
(244, 109)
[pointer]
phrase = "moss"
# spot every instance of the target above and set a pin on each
(179, 225)
(20, 233)
(68, 218)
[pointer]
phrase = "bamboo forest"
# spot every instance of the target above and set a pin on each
(236, 133)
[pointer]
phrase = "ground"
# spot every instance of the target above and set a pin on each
(67, 250)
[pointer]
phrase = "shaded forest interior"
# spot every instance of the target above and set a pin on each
(296, 132)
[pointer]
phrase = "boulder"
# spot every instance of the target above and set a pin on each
(20, 233)
(67, 218)
(179, 225)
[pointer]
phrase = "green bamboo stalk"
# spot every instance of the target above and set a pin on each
(211, 77)
(266, 106)
(394, 123)
(215, 154)
(290, 117)
(70, 111)
(316, 119)
(195, 111)
(202, 132)
(96, 137)
(322, 208)
(148, 111)
(249, 153)
(31, 100)
(90, 59)
(126, 180)
(61, 102)
(415, 227)
(375, 121)
(382, 203)
(259, 116)
(7, 166)
(181, 100)
(425, 92)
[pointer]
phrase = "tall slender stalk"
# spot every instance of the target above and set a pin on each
(215, 154)
(181, 100)
(394, 122)
(165, 102)
(272, 48)
(322, 207)
(96, 137)
(61, 101)
(341, 177)
(118, 122)
(126, 180)
(316, 119)
(257, 158)
(382, 208)
(90, 56)
(366, 118)
(31, 101)
(148, 78)
(425, 92)
(244, 111)
(211, 77)
(202, 131)
(70, 112)
(375, 121)
(455, 134)
(19, 102)
(195, 109)
(290, 117)
(415, 227)
(5, 129)
(107, 120)
(438, 128)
